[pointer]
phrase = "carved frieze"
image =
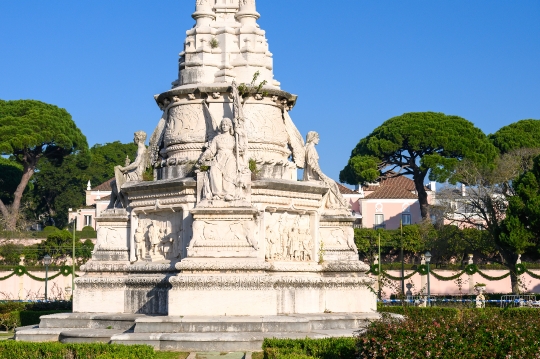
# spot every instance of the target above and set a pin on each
(100, 283)
(252, 282)
(288, 237)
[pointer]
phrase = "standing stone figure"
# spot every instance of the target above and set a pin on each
(132, 172)
(312, 172)
(140, 243)
(154, 233)
(222, 176)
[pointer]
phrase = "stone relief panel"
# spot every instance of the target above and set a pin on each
(188, 123)
(265, 124)
(338, 237)
(158, 237)
(110, 238)
(288, 237)
(224, 234)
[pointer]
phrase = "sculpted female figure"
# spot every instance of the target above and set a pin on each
(312, 172)
(132, 172)
(223, 173)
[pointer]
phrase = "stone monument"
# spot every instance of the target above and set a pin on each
(225, 228)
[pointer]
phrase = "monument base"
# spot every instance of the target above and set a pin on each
(193, 333)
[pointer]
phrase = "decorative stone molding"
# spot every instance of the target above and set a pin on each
(146, 282)
(150, 267)
(232, 282)
(222, 266)
(345, 266)
(100, 283)
(93, 266)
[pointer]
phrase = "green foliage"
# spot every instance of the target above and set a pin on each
(451, 333)
(521, 134)
(520, 229)
(60, 187)
(30, 131)
(29, 126)
(50, 229)
(27, 350)
(10, 177)
(106, 157)
(328, 348)
(416, 144)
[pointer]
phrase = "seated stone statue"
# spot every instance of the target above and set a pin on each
(132, 172)
(312, 172)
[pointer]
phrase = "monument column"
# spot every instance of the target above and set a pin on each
(203, 14)
(247, 13)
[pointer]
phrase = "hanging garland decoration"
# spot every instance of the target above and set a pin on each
(65, 270)
(374, 269)
(471, 269)
(8, 276)
(488, 277)
(533, 275)
(20, 270)
(42, 279)
(422, 269)
(520, 269)
(399, 278)
(453, 277)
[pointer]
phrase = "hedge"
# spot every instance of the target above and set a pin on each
(446, 333)
(451, 333)
(12, 320)
(26, 350)
(328, 348)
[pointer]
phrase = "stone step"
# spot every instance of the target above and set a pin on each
(88, 335)
(89, 320)
(282, 323)
(222, 342)
(224, 324)
(34, 333)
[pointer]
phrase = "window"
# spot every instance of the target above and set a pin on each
(379, 221)
(406, 219)
(88, 221)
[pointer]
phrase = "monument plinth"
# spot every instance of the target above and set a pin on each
(225, 228)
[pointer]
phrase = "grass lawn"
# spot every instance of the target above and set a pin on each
(171, 355)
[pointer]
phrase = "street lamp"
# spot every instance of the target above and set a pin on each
(428, 259)
(46, 261)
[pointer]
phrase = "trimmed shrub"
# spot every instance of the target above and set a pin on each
(29, 317)
(27, 350)
(328, 348)
(450, 333)
(50, 229)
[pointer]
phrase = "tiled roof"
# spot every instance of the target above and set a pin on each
(345, 190)
(105, 186)
(400, 181)
(391, 192)
(106, 198)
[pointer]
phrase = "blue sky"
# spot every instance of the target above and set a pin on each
(353, 63)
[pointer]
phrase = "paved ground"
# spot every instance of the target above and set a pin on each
(6, 335)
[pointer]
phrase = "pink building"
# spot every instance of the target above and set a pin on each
(387, 203)
(97, 199)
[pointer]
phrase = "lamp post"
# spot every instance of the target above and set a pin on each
(428, 259)
(402, 261)
(73, 260)
(46, 261)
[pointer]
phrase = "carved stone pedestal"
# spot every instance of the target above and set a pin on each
(112, 236)
(224, 233)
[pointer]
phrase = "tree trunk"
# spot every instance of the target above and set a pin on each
(422, 196)
(13, 214)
